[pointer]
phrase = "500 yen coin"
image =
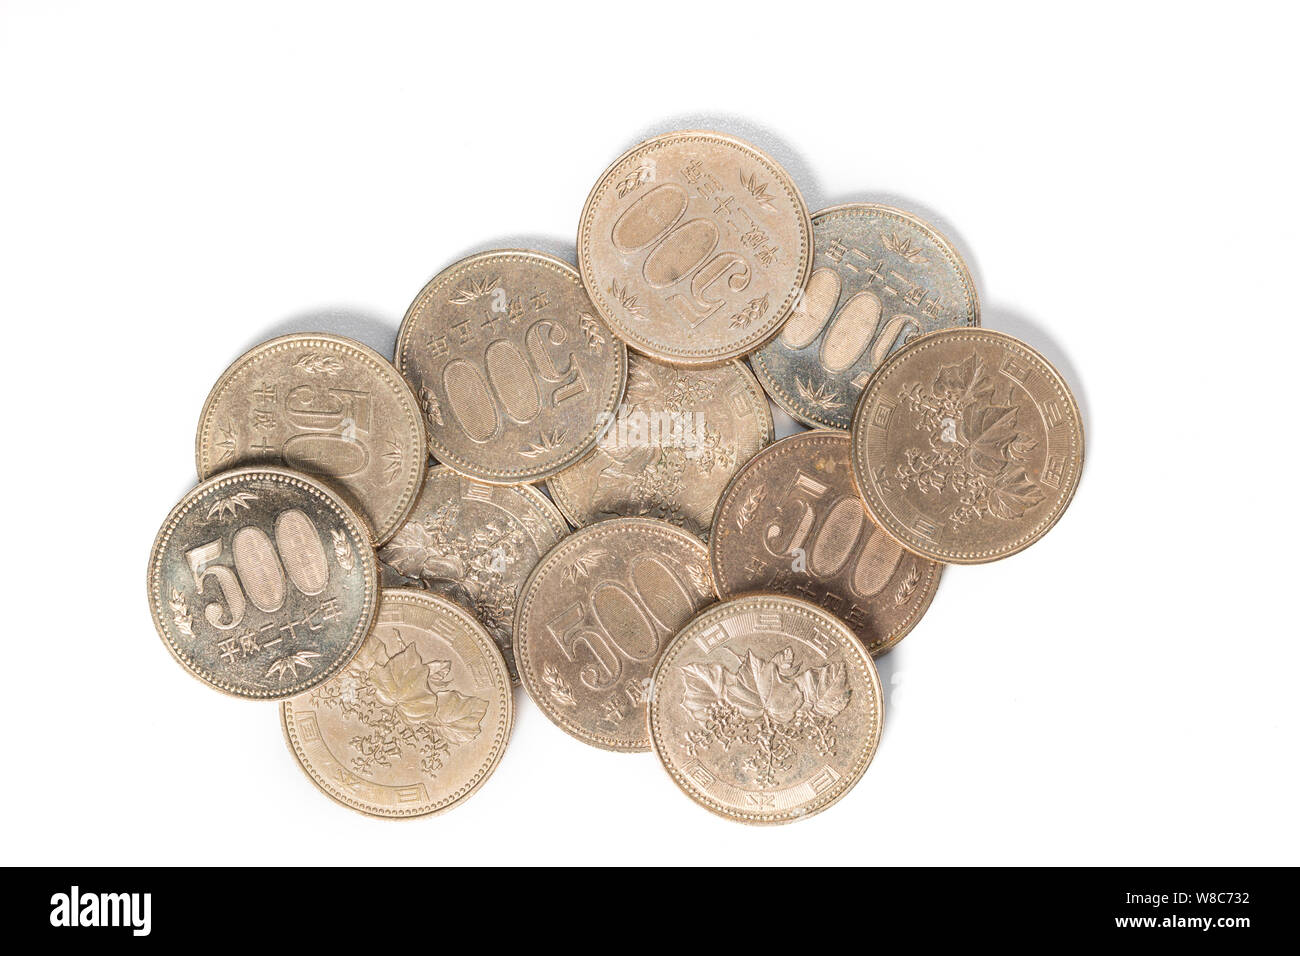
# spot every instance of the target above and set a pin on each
(262, 582)
(416, 722)
(766, 709)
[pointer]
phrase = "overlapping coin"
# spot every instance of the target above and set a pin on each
(766, 709)
(263, 582)
(324, 405)
(680, 435)
(882, 277)
(417, 721)
(593, 618)
(517, 375)
(967, 446)
(791, 522)
(694, 246)
(476, 543)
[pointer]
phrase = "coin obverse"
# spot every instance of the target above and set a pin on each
(593, 618)
(791, 522)
(475, 543)
(516, 375)
(416, 722)
(263, 582)
(882, 277)
(681, 434)
(766, 709)
(694, 246)
(324, 405)
(967, 446)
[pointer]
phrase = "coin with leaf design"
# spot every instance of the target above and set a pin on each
(516, 373)
(324, 405)
(791, 522)
(766, 709)
(593, 617)
(680, 435)
(694, 246)
(416, 722)
(881, 278)
(475, 543)
(967, 446)
(263, 582)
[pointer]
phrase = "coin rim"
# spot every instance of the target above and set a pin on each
(788, 403)
(499, 743)
(696, 357)
(932, 579)
(845, 784)
(346, 514)
(558, 494)
(594, 529)
(902, 534)
(511, 476)
(381, 533)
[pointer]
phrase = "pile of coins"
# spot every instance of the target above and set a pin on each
(722, 595)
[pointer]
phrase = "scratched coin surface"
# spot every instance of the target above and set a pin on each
(593, 618)
(324, 405)
(680, 435)
(417, 721)
(694, 246)
(967, 446)
(475, 543)
(263, 582)
(766, 709)
(882, 277)
(516, 374)
(791, 522)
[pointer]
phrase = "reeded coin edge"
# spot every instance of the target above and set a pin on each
(387, 373)
(666, 353)
(564, 501)
(787, 402)
(530, 681)
(900, 532)
(356, 524)
(509, 476)
(832, 795)
(933, 571)
(499, 740)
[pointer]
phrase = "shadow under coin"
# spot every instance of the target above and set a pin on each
(368, 329)
(559, 248)
(1033, 334)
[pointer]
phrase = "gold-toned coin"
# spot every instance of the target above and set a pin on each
(418, 720)
(694, 246)
(681, 434)
(882, 277)
(593, 617)
(967, 446)
(791, 522)
(263, 582)
(517, 376)
(475, 543)
(324, 405)
(766, 709)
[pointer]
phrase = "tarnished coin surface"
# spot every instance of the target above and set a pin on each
(680, 435)
(694, 246)
(967, 446)
(791, 522)
(593, 618)
(516, 374)
(766, 709)
(324, 405)
(882, 277)
(476, 544)
(416, 722)
(263, 582)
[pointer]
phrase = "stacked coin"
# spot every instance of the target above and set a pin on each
(722, 596)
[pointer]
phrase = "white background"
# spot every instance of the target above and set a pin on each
(180, 182)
